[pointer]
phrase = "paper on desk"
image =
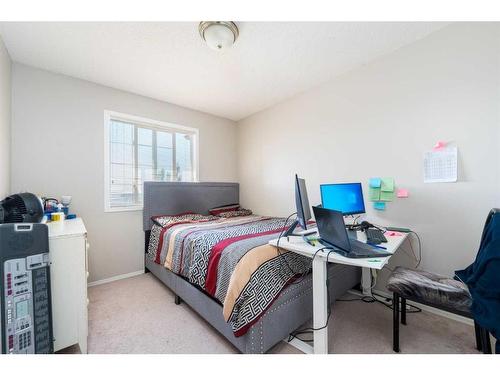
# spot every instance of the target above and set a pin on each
(379, 206)
(402, 193)
(374, 194)
(387, 184)
(375, 182)
(441, 165)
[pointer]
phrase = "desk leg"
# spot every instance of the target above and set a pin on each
(366, 281)
(320, 306)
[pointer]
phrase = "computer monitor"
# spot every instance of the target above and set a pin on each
(302, 206)
(347, 198)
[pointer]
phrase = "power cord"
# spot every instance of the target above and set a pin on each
(300, 275)
(278, 243)
(310, 330)
(419, 260)
(411, 309)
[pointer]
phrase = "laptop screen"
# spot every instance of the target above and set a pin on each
(331, 227)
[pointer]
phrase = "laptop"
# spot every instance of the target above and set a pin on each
(331, 229)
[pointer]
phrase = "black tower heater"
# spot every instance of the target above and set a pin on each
(26, 312)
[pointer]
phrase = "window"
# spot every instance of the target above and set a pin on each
(138, 150)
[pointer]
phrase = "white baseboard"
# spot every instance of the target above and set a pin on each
(115, 278)
(433, 310)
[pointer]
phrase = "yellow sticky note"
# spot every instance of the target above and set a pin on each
(387, 184)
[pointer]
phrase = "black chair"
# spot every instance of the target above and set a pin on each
(440, 292)
(432, 290)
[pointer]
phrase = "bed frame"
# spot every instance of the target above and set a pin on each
(288, 312)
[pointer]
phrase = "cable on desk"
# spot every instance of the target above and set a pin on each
(382, 229)
(301, 275)
(281, 257)
(419, 258)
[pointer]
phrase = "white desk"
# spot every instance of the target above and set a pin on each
(319, 275)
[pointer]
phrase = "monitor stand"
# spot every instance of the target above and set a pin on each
(349, 219)
(304, 232)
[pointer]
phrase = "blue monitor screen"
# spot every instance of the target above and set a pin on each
(347, 198)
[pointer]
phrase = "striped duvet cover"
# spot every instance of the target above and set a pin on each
(230, 259)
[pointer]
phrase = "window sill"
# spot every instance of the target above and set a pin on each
(123, 209)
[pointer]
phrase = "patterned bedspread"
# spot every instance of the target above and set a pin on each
(231, 260)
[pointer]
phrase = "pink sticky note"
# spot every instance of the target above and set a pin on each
(402, 193)
(439, 145)
(391, 233)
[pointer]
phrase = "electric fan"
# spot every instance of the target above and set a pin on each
(21, 208)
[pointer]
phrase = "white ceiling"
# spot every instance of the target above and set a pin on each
(271, 61)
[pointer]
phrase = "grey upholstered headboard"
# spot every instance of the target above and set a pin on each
(170, 198)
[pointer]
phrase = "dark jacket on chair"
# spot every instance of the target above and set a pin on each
(483, 278)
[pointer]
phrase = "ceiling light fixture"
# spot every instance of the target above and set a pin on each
(219, 35)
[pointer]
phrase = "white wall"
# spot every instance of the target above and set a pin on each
(377, 121)
(5, 98)
(57, 144)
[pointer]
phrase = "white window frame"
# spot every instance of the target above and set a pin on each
(149, 123)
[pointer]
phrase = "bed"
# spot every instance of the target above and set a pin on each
(194, 263)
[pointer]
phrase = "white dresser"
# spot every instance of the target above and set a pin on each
(69, 271)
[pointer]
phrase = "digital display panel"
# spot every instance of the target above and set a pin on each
(21, 309)
(347, 198)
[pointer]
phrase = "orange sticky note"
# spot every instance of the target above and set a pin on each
(402, 193)
(439, 145)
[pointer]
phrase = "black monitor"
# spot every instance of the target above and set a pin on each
(346, 198)
(302, 206)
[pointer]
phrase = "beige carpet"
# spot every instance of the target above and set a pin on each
(138, 315)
